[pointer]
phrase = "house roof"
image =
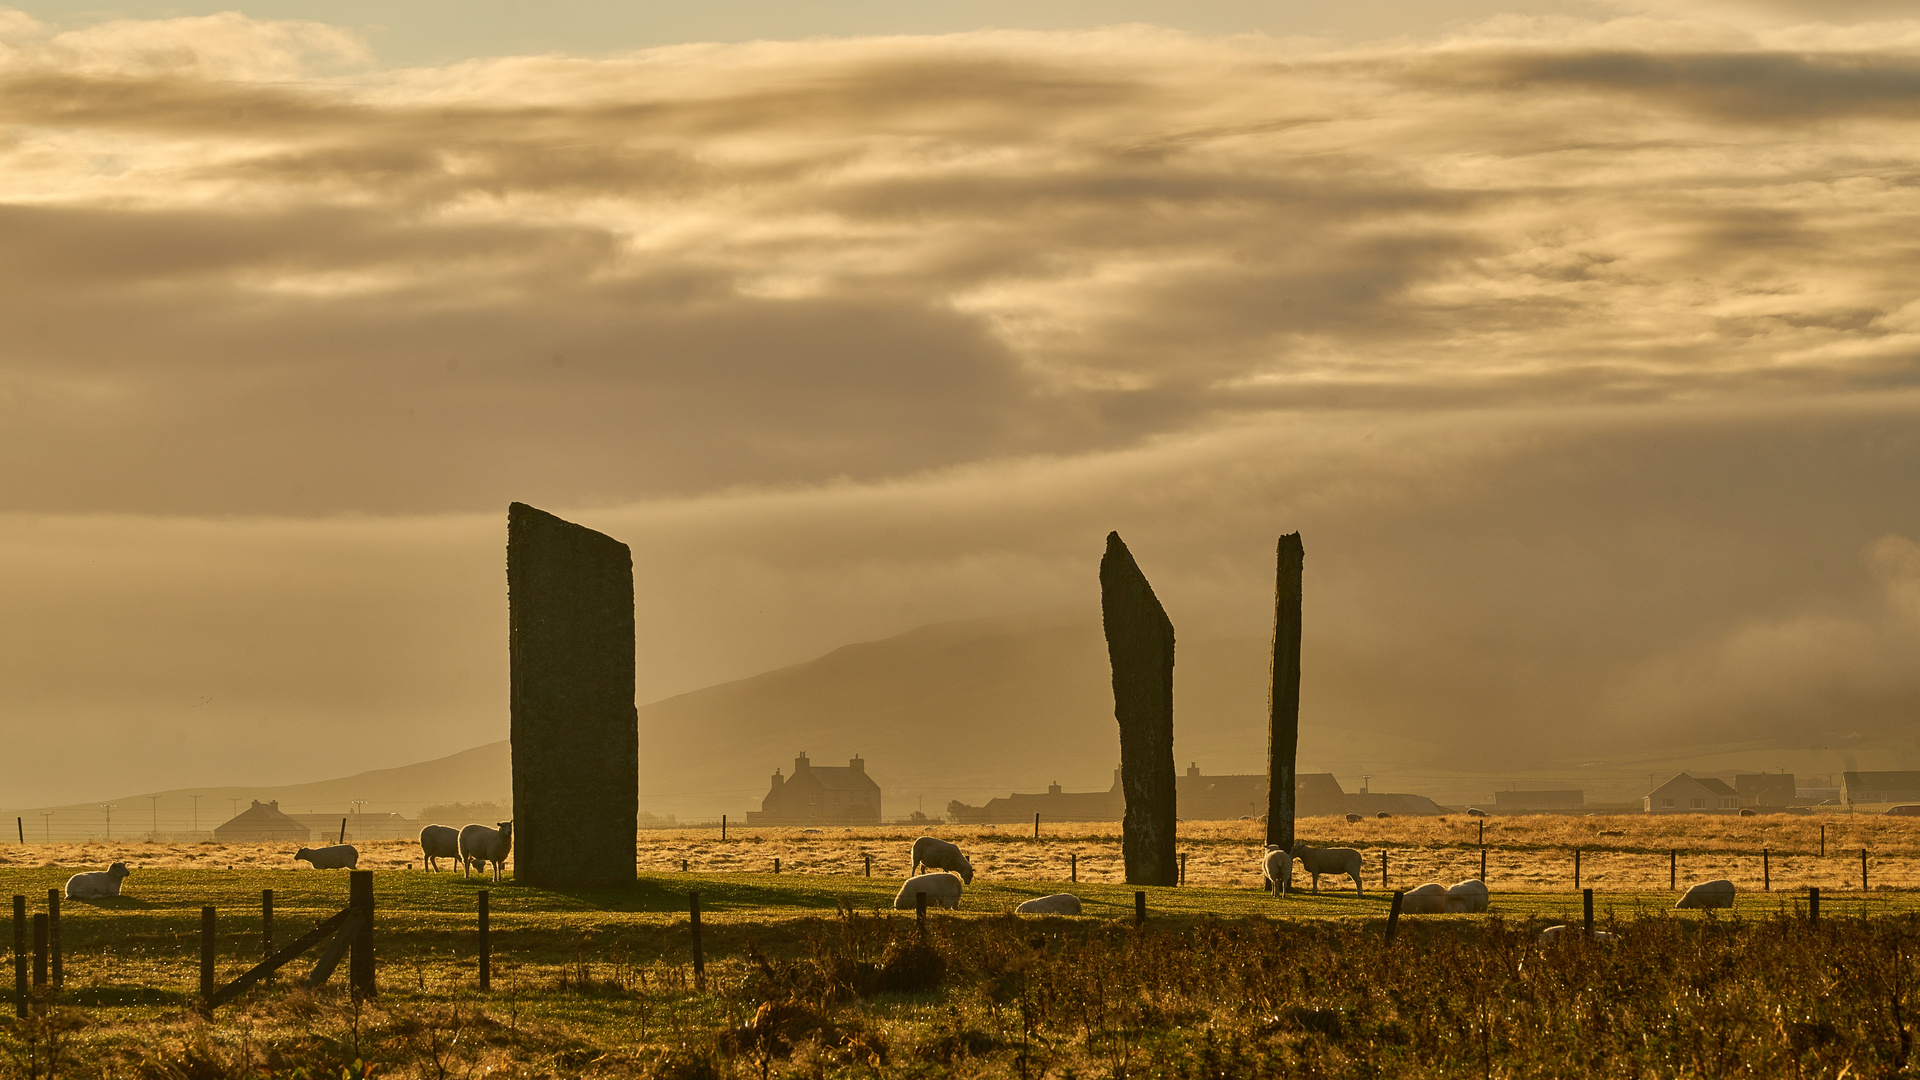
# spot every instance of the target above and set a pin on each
(1714, 784)
(262, 816)
(836, 778)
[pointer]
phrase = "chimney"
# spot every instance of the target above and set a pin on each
(801, 763)
(778, 780)
(858, 764)
(1193, 769)
(1053, 788)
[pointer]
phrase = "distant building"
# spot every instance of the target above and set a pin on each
(1766, 789)
(1225, 797)
(363, 827)
(261, 822)
(1517, 801)
(1879, 787)
(1693, 795)
(820, 795)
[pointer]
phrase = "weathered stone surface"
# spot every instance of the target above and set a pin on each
(1140, 647)
(1283, 693)
(576, 734)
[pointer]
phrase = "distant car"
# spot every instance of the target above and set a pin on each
(1905, 810)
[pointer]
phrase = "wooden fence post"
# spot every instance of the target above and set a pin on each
(1383, 868)
(1766, 870)
(1586, 900)
(1036, 826)
(1673, 869)
(1863, 869)
(683, 866)
(207, 941)
(1483, 862)
(1139, 907)
(723, 826)
(867, 857)
(266, 927)
(360, 960)
(1576, 868)
(1813, 904)
(58, 966)
(39, 950)
(343, 830)
(486, 943)
(19, 956)
(1393, 915)
(693, 926)
(776, 866)
(1073, 865)
(1183, 868)
(1823, 841)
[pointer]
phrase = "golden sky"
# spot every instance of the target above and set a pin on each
(1580, 343)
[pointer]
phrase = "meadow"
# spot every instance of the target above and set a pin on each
(808, 973)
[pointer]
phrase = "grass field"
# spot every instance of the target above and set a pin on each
(810, 974)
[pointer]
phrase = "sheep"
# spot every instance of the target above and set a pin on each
(1708, 894)
(98, 885)
(1057, 904)
(1474, 811)
(332, 857)
(1468, 897)
(1428, 899)
(480, 845)
(1553, 934)
(1332, 860)
(438, 842)
(940, 855)
(1351, 818)
(1748, 811)
(942, 889)
(1276, 869)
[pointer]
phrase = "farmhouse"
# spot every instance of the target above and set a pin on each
(1693, 795)
(261, 821)
(1761, 790)
(1225, 797)
(820, 795)
(1879, 787)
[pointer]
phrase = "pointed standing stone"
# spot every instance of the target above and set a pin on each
(1140, 646)
(576, 733)
(1283, 693)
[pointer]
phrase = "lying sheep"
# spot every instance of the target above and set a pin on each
(1428, 899)
(1553, 934)
(480, 845)
(98, 885)
(1057, 904)
(942, 889)
(332, 857)
(438, 842)
(1469, 897)
(1474, 811)
(1351, 818)
(1276, 869)
(939, 855)
(1708, 894)
(1332, 860)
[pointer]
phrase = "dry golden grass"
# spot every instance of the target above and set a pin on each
(1619, 853)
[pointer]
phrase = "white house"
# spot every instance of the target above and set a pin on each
(1693, 795)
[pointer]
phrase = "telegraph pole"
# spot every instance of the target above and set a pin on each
(108, 807)
(196, 813)
(155, 801)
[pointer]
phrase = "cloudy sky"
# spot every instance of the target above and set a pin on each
(1580, 340)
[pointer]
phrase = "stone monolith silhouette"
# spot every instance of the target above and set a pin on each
(576, 734)
(1283, 693)
(1140, 646)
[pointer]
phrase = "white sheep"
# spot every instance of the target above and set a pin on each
(98, 885)
(1428, 899)
(1708, 894)
(942, 889)
(1330, 860)
(438, 842)
(1276, 869)
(1553, 934)
(937, 854)
(331, 857)
(1468, 897)
(1057, 904)
(480, 845)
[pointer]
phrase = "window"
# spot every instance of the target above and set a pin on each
(1697, 804)
(1666, 802)
(1727, 804)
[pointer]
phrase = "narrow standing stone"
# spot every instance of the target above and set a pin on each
(1140, 646)
(575, 731)
(1283, 693)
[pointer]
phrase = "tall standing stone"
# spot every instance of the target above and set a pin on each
(576, 734)
(1140, 647)
(1283, 693)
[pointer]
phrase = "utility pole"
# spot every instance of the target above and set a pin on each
(46, 824)
(108, 807)
(196, 814)
(155, 801)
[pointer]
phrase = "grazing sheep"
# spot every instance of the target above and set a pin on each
(98, 885)
(1351, 818)
(1276, 869)
(332, 857)
(1708, 894)
(1331, 860)
(1057, 904)
(1474, 811)
(1383, 814)
(480, 845)
(1554, 934)
(942, 889)
(939, 855)
(1468, 897)
(439, 842)
(1428, 899)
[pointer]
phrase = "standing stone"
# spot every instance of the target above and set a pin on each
(576, 733)
(1140, 646)
(1283, 693)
